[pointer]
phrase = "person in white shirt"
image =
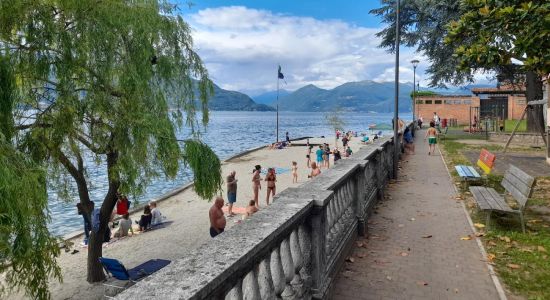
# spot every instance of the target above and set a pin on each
(155, 213)
(124, 226)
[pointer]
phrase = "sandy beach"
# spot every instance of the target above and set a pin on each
(187, 219)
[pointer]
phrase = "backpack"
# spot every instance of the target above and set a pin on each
(95, 220)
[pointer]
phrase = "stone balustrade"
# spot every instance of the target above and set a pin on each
(290, 250)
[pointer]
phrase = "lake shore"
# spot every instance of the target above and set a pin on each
(187, 219)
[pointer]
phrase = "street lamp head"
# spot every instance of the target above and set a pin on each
(415, 62)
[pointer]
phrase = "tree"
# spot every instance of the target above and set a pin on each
(462, 37)
(492, 34)
(27, 251)
(335, 121)
(110, 80)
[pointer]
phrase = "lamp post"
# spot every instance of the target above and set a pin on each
(397, 147)
(414, 62)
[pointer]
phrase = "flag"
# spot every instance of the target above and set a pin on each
(281, 76)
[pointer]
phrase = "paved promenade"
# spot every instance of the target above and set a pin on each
(414, 249)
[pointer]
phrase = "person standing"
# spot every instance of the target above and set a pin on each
(256, 183)
(271, 178)
(87, 220)
(308, 155)
(287, 138)
(431, 134)
(337, 155)
(294, 169)
(319, 153)
(345, 141)
(231, 191)
(217, 219)
(437, 122)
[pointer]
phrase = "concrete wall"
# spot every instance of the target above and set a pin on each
(291, 250)
(516, 106)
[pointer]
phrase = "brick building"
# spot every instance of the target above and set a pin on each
(504, 102)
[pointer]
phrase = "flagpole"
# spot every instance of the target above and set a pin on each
(277, 107)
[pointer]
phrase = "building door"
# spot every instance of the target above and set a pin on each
(494, 107)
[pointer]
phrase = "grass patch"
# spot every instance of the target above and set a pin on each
(522, 261)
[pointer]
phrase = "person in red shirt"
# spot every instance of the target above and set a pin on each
(122, 205)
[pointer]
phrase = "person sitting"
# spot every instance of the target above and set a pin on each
(145, 220)
(124, 226)
(156, 215)
(365, 139)
(337, 155)
(348, 152)
(315, 171)
(251, 208)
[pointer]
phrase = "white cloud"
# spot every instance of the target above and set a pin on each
(242, 47)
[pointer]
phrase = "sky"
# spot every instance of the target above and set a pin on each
(325, 43)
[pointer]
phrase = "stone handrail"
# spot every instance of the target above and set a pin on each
(290, 250)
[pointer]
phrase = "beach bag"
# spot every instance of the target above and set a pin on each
(95, 220)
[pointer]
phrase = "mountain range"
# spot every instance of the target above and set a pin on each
(352, 96)
(364, 96)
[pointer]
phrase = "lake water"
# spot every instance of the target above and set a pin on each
(228, 133)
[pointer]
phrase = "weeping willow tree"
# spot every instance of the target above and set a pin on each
(106, 83)
(27, 251)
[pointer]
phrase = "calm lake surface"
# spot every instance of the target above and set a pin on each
(228, 133)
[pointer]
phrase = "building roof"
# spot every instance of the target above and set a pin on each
(438, 96)
(503, 89)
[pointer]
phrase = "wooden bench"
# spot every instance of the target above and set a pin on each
(517, 183)
(485, 162)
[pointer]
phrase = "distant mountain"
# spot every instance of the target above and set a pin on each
(232, 100)
(270, 97)
(352, 96)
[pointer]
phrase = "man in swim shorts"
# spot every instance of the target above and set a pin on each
(319, 154)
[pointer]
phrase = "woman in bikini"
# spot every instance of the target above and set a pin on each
(431, 134)
(271, 178)
(256, 183)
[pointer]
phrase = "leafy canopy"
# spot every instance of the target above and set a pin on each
(490, 33)
(93, 82)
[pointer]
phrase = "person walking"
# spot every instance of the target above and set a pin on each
(437, 121)
(231, 192)
(431, 135)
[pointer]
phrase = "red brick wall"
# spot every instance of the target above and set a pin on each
(447, 109)
(516, 105)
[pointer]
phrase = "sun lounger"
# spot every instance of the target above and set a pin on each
(116, 269)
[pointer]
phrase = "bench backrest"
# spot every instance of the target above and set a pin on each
(486, 161)
(519, 184)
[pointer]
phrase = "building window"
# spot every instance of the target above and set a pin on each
(419, 101)
(467, 101)
(437, 101)
(428, 101)
(457, 101)
(448, 101)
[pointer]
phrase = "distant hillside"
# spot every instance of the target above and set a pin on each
(354, 96)
(270, 97)
(231, 100)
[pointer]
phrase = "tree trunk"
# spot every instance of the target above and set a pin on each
(535, 114)
(95, 249)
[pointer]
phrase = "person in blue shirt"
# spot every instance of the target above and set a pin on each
(319, 154)
(409, 141)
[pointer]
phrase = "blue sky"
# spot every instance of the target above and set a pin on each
(325, 43)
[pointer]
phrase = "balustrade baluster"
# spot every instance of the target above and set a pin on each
(265, 281)
(277, 274)
(235, 293)
(288, 269)
(251, 290)
(297, 259)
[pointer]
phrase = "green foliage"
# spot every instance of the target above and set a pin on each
(206, 166)
(27, 251)
(94, 81)
(489, 34)
(7, 98)
(422, 93)
(423, 24)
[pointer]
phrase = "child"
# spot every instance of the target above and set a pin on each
(294, 172)
(145, 220)
(348, 152)
(431, 134)
(251, 208)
